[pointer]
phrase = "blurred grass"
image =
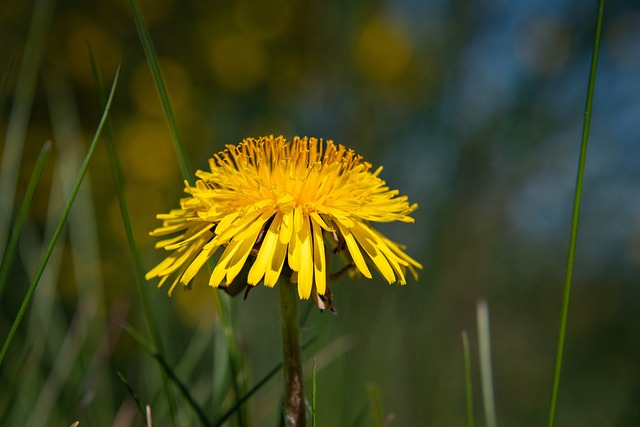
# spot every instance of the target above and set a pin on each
(465, 161)
(10, 252)
(56, 234)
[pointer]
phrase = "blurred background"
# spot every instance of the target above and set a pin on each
(475, 109)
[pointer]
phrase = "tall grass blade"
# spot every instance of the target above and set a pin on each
(235, 357)
(224, 417)
(20, 112)
(138, 268)
(118, 177)
(133, 395)
(576, 218)
(220, 421)
(153, 352)
(161, 87)
(61, 223)
(486, 374)
(374, 403)
(23, 213)
(467, 377)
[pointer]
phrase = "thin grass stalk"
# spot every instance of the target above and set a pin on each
(118, 176)
(153, 352)
(235, 359)
(133, 395)
(224, 417)
(88, 322)
(119, 180)
(187, 173)
(23, 213)
(161, 87)
(467, 377)
(566, 297)
(20, 112)
(61, 223)
(486, 374)
(375, 405)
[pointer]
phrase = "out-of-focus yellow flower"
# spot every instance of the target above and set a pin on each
(270, 200)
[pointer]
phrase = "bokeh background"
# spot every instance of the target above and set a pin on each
(475, 109)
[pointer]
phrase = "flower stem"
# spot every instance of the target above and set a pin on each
(294, 406)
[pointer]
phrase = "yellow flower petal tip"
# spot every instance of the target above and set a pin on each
(288, 205)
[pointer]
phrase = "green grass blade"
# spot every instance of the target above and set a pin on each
(576, 218)
(20, 112)
(486, 375)
(374, 403)
(133, 395)
(467, 377)
(61, 222)
(235, 356)
(220, 421)
(138, 268)
(161, 87)
(23, 213)
(223, 418)
(153, 352)
(126, 217)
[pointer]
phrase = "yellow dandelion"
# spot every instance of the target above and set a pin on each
(272, 201)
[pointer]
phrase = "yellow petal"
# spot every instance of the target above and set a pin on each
(240, 256)
(254, 226)
(305, 274)
(265, 255)
(274, 269)
(318, 219)
(221, 267)
(319, 265)
(293, 257)
(371, 244)
(167, 242)
(354, 250)
(224, 224)
(287, 227)
(169, 229)
(195, 266)
(155, 271)
(196, 235)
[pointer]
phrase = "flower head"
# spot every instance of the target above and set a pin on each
(282, 204)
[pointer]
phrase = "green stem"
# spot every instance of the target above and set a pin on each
(575, 221)
(294, 405)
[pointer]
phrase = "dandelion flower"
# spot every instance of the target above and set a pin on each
(283, 209)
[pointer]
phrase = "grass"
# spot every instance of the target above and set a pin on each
(64, 364)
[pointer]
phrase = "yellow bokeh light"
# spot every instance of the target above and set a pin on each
(153, 11)
(265, 20)
(239, 62)
(147, 152)
(145, 95)
(196, 304)
(383, 51)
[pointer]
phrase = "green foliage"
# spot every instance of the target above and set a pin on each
(64, 356)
